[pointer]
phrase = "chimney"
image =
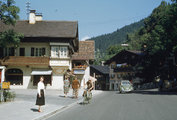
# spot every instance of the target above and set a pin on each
(102, 63)
(32, 17)
(38, 16)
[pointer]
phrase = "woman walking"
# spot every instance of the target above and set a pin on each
(75, 86)
(66, 86)
(40, 93)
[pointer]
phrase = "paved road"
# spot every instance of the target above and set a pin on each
(144, 105)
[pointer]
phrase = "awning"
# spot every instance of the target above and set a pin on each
(41, 72)
(79, 71)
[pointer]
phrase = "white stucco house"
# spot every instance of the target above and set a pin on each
(46, 49)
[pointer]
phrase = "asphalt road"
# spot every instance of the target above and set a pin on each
(142, 105)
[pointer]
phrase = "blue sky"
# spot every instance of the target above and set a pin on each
(95, 17)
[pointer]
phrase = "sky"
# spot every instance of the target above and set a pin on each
(95, 17)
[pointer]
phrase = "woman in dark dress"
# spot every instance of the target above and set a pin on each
(40, 94)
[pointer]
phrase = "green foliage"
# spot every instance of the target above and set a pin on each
(103, 42)
(8, 12)
(159, 35)
(8, 15)
(10, 37)
(8, 96)
(109, 44)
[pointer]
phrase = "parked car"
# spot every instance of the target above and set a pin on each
(125, 86)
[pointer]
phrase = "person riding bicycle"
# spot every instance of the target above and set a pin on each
(87, 93)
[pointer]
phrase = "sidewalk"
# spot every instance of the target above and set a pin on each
(24, 108)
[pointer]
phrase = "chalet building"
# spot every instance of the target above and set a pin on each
(122, 67)
(46, 49)
(82, 59)
(101, 73)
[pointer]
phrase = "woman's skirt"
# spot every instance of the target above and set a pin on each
(66, 89)
(40, 100)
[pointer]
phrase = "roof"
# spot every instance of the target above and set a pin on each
(135, 52)
(86, 51)
(102, 69)
(60, 29)
(120, 57)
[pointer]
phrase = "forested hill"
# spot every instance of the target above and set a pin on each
(102, 42)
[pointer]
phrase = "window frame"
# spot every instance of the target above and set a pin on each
(63, 51)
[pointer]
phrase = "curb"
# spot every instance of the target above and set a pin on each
(48, 115)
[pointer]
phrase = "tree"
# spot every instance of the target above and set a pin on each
(159, 36)
(9, 15)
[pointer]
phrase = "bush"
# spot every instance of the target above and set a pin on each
(8, 96)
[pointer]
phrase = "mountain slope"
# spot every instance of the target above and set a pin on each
(102, 42)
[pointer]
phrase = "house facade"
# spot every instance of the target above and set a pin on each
(122, 67)
(101, 73)
(82, 60)
(46, 50)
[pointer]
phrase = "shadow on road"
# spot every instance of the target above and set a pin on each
(62, 96)
(34, 109)
(145, 92)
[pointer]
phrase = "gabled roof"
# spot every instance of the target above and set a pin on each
(86, 51)
(58, 29)
(135, 52)
(119, 57)
(101, 69)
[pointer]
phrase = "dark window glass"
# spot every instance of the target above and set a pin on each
(47, 80)
(43, 51)
(22, 51)
(32, 51)
(6, 52)
(11, 51)
(37, 53)
(1, 52)
(14, 76)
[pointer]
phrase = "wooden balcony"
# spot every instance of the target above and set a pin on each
(25, 61)
(80, 67)
(123, 69)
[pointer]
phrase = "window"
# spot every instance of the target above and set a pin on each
(112, 85)
(14, 76)
(112, 75)
(37, 51)
(32, 51)
(47, 80)
(22, 51)
(63, 52)
(5, 52)
(112, 66)
(118, 76)
(55, 51)
(1, 52)
(11, 51)
(43, 51)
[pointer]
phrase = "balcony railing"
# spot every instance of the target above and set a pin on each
(123, 69)
(80, 67)
(25, 60)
